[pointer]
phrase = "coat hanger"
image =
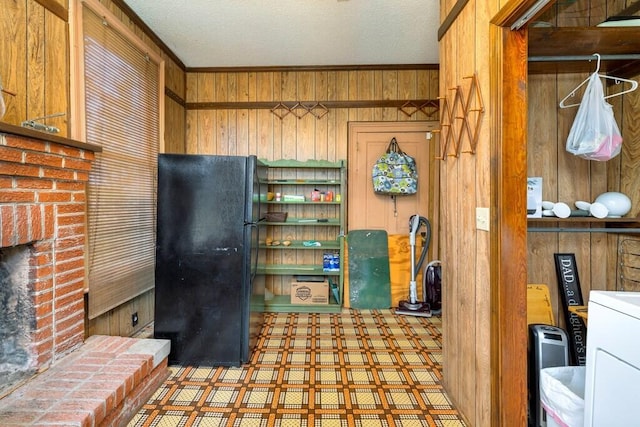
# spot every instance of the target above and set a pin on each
(634, 85)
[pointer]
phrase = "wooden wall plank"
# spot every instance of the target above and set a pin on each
(542, 160)
(483, 293)
(13, 66)
(232, 123)
(56, 83)
(304, 137)
(265, 88)
(35, 60)
(390, 91)
(175, 130)
(452, 358)
(322, 149)
(366, 89)
(174, 77)
(191, 117)
(467, 191)
(241, 136)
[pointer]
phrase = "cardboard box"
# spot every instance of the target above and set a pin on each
(534, 197)
(310, 292)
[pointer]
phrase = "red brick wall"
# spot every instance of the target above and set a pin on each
(42, 203)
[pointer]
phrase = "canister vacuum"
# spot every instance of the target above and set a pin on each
(431, 289)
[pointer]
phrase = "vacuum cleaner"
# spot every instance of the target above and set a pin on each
(431, 287)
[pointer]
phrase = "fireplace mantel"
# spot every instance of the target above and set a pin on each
(10, 129)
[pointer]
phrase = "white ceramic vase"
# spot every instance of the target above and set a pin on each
(617, 203)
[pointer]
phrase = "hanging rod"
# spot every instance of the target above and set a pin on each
(582, 230)
(621, 57)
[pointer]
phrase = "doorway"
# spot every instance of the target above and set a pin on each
(369, 211)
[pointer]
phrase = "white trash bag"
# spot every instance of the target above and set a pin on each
(562, 395)
(594, 134)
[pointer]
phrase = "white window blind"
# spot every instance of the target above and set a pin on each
(122, 114)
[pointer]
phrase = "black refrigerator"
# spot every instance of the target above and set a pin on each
(209, 222)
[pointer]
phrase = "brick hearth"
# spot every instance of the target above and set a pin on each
(103, 383)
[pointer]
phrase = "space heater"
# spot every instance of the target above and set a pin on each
(548, 347)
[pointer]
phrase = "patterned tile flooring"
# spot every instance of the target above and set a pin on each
(359, 368)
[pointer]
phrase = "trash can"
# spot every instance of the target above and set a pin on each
(562, 395)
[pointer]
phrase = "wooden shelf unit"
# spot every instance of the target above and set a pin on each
(322, 222)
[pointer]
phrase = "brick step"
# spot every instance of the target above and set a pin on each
(104, 382)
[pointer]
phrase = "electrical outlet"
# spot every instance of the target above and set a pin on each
(134, 319)
(482, 219)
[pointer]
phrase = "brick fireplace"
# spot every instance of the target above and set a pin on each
(49, 373)
(42, 223)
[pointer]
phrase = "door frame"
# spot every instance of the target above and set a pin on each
(509, 76)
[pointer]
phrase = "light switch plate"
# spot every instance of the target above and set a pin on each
(482, 219)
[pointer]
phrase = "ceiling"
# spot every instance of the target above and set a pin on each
(263, 33)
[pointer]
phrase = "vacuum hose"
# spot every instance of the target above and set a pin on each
(414, 225)
(427, 241)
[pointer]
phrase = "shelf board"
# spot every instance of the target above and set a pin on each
(586, 219)
(298, 244)
(282, 303)
(584, 225)
(313, 164)
(306, 202)
(302, 182)
(305, 221)
(551, 49)
(295, 269)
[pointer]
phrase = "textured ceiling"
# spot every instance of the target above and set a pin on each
(257, 33)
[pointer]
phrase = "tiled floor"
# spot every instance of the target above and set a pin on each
(358, 368)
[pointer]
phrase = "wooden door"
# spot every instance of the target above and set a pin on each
(367, 210)
(367, 142)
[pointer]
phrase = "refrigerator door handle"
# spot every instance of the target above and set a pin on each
(255, 248)
(260, 221)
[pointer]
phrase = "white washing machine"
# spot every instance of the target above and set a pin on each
(612, 383)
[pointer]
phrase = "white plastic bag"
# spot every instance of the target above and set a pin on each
(594, 134)
(562, 395)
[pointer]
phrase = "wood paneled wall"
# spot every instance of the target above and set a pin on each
(467, 182)
(567, 178)
(259, 131)
(34, 52)
(34, 64)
